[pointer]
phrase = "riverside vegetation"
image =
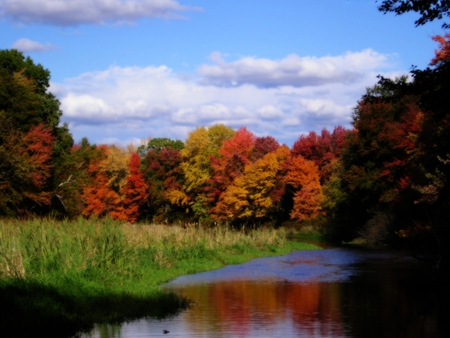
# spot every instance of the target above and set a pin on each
(58, 278)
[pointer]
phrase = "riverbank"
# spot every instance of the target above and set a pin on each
(59, 278)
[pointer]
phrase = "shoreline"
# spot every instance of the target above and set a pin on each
(118, 284)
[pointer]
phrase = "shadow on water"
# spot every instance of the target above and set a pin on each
(336, 292)
(32, 309)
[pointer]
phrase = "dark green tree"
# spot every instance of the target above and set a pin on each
(429, 10)
(163, 174)
(25, 98)
(26, 103)
(159, 144)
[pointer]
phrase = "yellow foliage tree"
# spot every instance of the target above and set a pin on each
(200, 145)
(250, 195)
(196, 162)
(115, 166)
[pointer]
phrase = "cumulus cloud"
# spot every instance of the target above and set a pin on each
(292, 70)
(270, 112)
(77, 12)
(25, 45)
(133, 102)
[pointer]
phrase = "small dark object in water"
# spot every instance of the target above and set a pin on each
(165, 331)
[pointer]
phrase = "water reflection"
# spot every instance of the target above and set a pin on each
(328, 293)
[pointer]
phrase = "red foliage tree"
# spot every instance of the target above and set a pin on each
(385, 143)
(39, 142)
(263, 146)
(73, 176)
(134, 193)
(234, 155)
(321, 149)
(25, 168)
(99, 198)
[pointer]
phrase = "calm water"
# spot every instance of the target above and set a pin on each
(335, 292)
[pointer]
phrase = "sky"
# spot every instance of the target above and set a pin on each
(128, 70)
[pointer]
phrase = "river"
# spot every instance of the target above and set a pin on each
(335, 292)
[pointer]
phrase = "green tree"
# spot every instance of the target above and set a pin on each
(26, 103)
(37, 104)
(159, 144)
(429, 10)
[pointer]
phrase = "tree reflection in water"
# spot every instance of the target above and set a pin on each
(328, 293)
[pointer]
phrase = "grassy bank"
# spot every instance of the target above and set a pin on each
(57, 278)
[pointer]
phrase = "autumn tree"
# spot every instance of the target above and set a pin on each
(303, 176)
(250, 197)
(133, 194)
(443, 53)
(164, 176)
(322, 149)
(379, 162)
(73, 176)
(396, 167)
(201, 145)
(263, 146)
(25, 168)
(115, 166)
(27, 110)
(233, 156)
(99, 198)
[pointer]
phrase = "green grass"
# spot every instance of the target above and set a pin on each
(58, 278)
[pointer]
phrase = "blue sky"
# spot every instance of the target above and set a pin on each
(126, 70)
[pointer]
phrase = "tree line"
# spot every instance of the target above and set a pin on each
(216, 175)
(385, 179)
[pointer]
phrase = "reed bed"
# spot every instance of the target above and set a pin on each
(33, 248)
(60, 277)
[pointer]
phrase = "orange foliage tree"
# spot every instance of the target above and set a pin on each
(99, 198)
(323, 149)
(303, 176)
(443, 53)
(250, 196)
(73, 176)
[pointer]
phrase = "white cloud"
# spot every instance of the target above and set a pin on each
(25, 45)
(133, 103)
(270, 112)
(291, 122)
(77, 12)
(293, 70)
(322, 107)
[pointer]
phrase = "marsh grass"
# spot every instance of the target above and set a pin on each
(60, 277)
